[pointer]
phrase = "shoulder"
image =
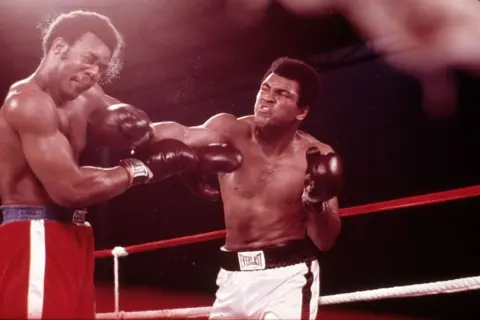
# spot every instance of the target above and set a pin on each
(246, 119)
(310, 141)
(226, 121)
(228, 126)
(93, 101)
(221, 118)
(27, 105)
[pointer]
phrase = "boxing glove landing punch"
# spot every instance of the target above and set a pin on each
(169, 157)
(123, 126)
(324, 178)
(159, 161)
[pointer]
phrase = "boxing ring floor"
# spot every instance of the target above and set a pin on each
(122, 301)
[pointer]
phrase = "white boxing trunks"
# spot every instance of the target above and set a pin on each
(280, 282)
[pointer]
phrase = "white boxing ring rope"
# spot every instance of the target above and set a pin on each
(424, 289)
(415, 290)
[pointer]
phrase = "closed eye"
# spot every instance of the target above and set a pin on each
(284, 93)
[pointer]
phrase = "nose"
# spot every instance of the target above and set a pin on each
(93, 72)
(267, 96)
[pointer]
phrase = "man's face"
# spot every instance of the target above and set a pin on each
(82, 64)
(277, 102)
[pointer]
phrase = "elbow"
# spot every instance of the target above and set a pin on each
(326, 245)
(67, 201)
(325, 240)
(68, 198)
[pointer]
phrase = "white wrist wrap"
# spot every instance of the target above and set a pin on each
(139, 173)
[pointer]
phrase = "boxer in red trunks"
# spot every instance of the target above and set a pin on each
(46, 247)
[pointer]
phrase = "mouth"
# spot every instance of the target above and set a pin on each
(263, 109)
(82, 84)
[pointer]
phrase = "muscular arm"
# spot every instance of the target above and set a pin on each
(214, 130)
(323, 220)
(98, 101)
(218, 129)
(323, 228)
(49, 155)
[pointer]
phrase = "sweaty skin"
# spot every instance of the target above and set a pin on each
(43, 130)
(40, 144)
(262, 199)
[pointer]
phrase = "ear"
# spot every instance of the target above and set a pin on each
(302, 112)
(59, 46)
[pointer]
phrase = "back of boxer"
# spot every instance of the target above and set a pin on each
(280, 201)
(46, 248)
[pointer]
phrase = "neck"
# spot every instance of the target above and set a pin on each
(43, 78)
(275, 140)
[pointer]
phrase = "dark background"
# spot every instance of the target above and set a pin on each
(187, 60)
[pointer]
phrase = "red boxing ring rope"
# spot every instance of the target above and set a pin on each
(426, 199)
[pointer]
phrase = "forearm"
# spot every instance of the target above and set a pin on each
(94, 185)
(323, 227)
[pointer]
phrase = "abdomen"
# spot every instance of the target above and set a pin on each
(262, 216)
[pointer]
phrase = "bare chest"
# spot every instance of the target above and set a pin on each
(73, 124)
(274, 177)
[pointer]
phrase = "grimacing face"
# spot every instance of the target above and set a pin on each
(277, 102)
(81, 64)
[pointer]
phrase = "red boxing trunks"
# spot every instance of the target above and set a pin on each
(46, 264)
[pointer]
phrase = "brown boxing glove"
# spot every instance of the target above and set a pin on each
(218, 158)
(201, 186)
(165, 158)
(324, 176)
(123, 126)
(212, 159)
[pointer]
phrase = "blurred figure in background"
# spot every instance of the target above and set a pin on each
(426, 39)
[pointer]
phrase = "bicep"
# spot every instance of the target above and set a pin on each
(200, 136)
(194, 136)
(169, 130)
(47, 151)
(227, 126)
(98, 101)
(51, 158)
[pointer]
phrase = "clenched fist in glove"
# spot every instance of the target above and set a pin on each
(169, 157)
(324, 178)
(161, 160)
(123, 126)
(213, 159)
(218, 158)
(201, 185)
